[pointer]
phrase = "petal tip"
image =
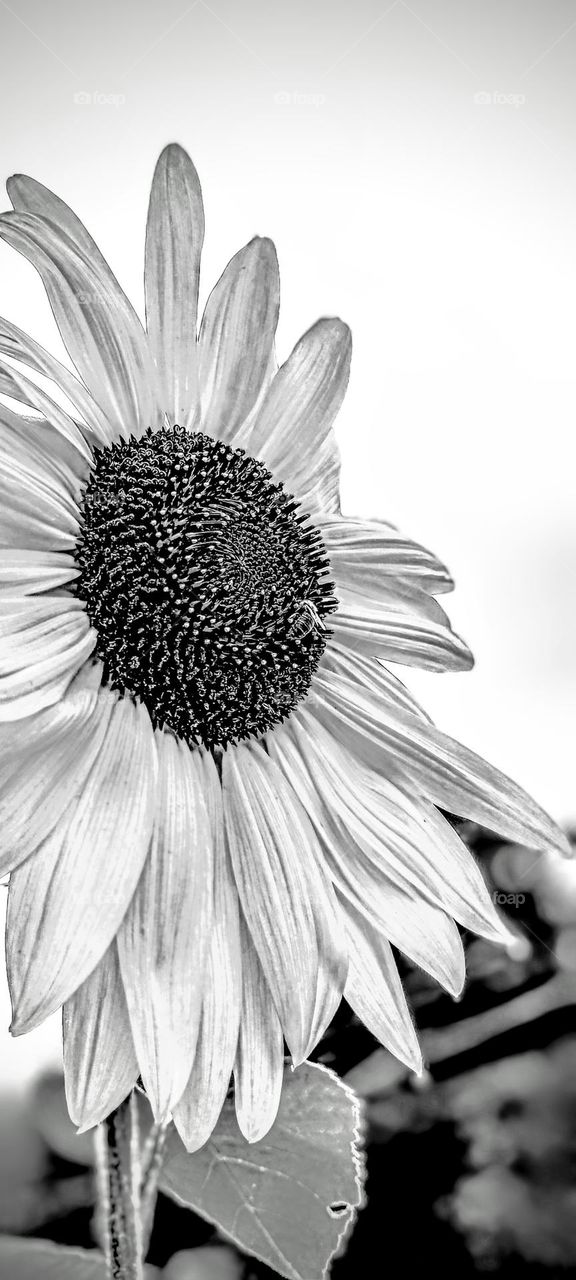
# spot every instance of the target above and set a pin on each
(301, 1041)
(19, 1026)
(252, 1131)
(161, 1101)
(14, 184)
(414, 1060)
(85, 1127)
(336, 328)
(564, 846)
(29, 1018)
(174, 149)
(264, 248)
(465, 659)
(455, 986)
(174, 157)
(298, 1056)
(194, 1143)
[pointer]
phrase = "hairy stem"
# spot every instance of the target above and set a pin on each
(152, 1158)
(118, 1164)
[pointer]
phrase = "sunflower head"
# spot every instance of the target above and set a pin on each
(220, 811)
(206, 584)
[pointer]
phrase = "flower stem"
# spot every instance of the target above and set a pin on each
(152, 1159)
(118, 1163)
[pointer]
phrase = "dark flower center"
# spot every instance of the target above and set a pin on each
(206, 585)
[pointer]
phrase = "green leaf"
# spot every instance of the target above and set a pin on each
(40, 1260)
(290, 1199)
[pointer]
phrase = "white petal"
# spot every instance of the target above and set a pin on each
(99, 328)
(164, 936)
(31, 572)
(174, 237)
(201, 1103)
(285, 894)
(375, 993)
(363, 552)
(31, 517)
(372, 676)
(15, 384)
(29, 196)
(66, 903)
(41, 655)
(44, 761)
(22, 527)
(447, 773)
(243, 434)
(40, 484)
(422, 931)
(14, 342)
(24, 618)
(29, 482)
(236, 338)
(100, 1066)
(404, 837)
(30, 734)
(292, 433)
(46, 447)
(259, 1065)
(400, 624)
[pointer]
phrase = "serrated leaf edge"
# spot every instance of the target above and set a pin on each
(359, 1162)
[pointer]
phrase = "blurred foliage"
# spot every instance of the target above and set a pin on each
(518, 1119)
(472, 1165)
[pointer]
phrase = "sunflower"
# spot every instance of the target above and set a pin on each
(219, 809)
